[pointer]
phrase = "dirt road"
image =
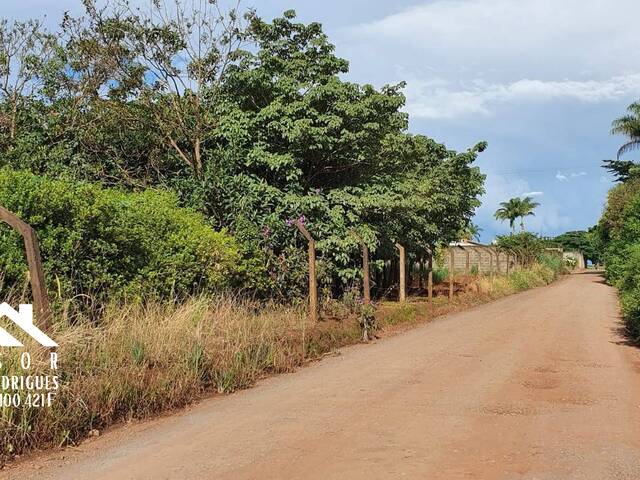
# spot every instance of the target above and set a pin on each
(538, 385)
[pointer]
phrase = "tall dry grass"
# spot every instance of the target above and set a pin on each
(537, 275)
(139, 360)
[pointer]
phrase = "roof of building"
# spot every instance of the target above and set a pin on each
(467, 243)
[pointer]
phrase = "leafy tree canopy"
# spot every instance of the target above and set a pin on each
(248, 121)
(582, 241)
(528, 247)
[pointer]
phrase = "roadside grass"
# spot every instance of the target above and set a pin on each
(140, 360)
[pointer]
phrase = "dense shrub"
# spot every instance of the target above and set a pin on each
(619, 230)
(104, 242)
(629, 284)
(526, 246)
(539, 274)
(281, 135)
(553, 262)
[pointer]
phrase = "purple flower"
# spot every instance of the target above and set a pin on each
(301, 220)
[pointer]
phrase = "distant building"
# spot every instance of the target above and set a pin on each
(475, 256)
(578, 257)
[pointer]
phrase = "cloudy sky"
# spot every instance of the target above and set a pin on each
(540, 80)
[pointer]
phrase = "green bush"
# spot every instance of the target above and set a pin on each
(526, 246)
(525, 278)
(104, 242)
(553, 262)
(630, 301)
(628, 282)
(619, 230)
(440, 274)
(544, 271)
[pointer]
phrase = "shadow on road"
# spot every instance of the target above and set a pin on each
(589, 272)
(593, 272)
(624, 336)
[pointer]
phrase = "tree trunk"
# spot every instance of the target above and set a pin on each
(365, 274)
(430, 279)
(402, 297)
(451, 266)
(313, 282)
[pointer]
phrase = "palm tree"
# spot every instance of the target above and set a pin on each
(526, 208)
(509, 210)
(628, 125)
(471, 231)
(516, 208)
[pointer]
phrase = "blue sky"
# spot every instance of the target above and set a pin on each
(540, 80)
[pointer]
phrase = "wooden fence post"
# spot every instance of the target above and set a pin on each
(402, 297)
(313, 282)
(490, 262)
(451, 264)
(366, 287)
(467, 267)
(430, 278)
(365, 274)
(497, 261)
(34, 261)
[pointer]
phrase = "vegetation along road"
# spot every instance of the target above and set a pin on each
(540, 385)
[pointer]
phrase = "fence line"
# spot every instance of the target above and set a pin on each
(494, 267)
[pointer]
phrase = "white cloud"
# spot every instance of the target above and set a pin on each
(467, 57)
(532, 194)
(440, 99)
(481, 33)
(565, 177)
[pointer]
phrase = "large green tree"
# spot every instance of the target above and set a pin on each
(336, 152)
